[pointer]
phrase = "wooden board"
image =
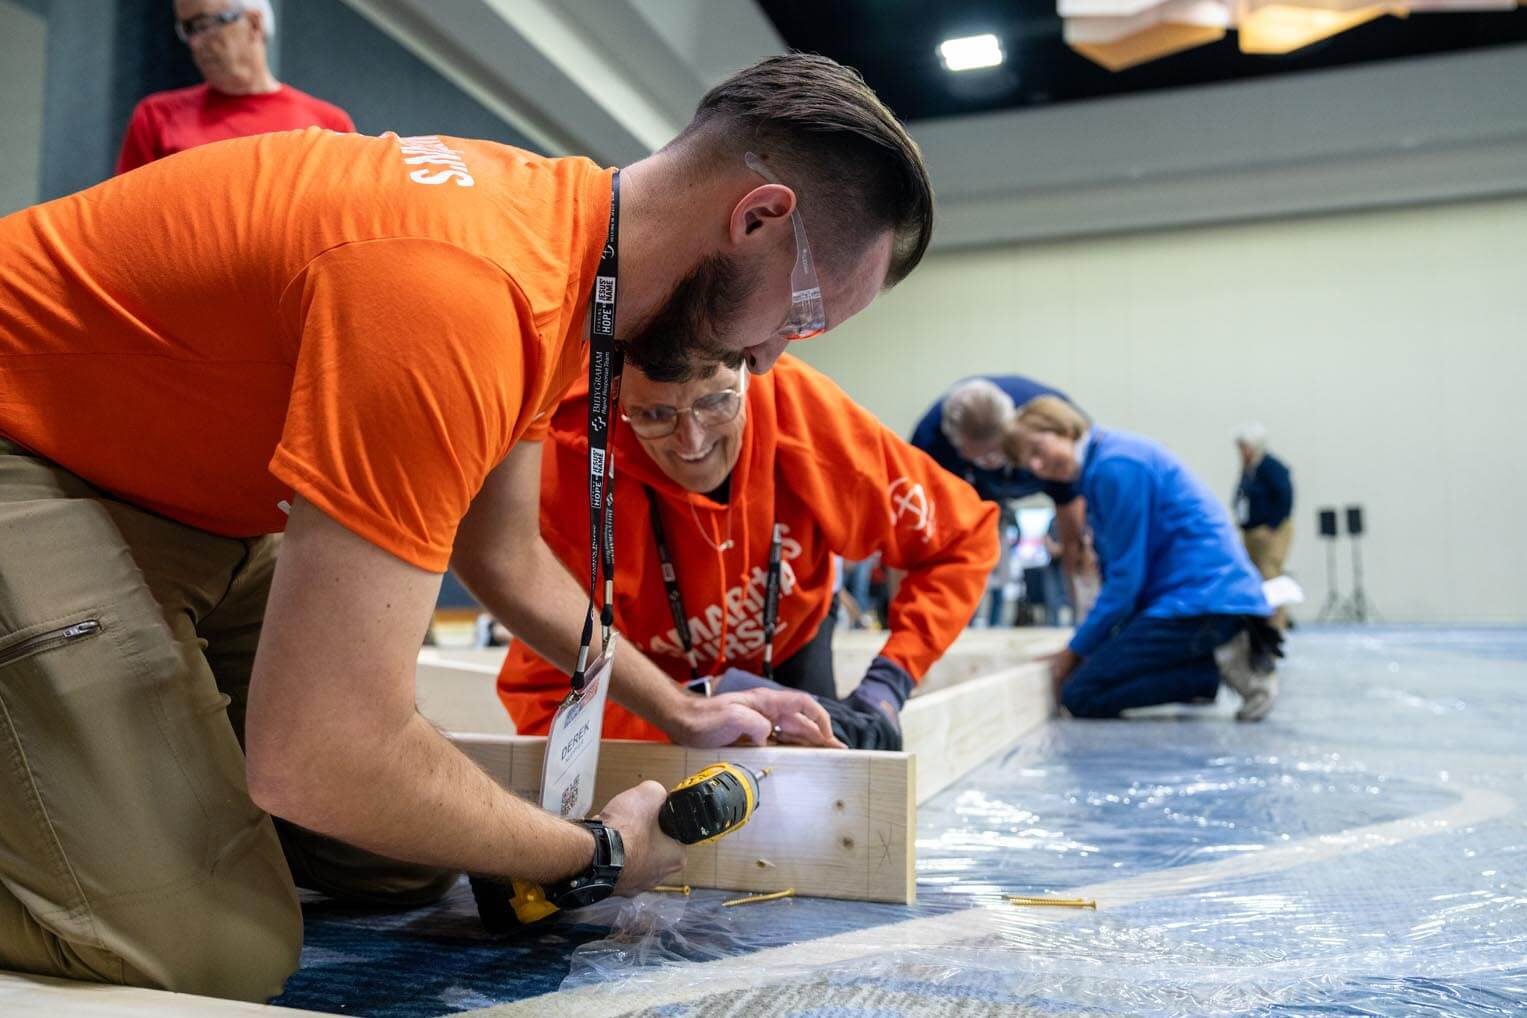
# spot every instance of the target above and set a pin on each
(977, 652)
(458, 690)
(831, 824)
(22, 994)
(955, 729)
(455, 687)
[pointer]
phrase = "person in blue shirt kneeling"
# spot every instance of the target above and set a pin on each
(1181, 606)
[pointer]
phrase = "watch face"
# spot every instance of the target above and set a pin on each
(584, 894)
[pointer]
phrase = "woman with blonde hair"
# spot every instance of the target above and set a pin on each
(1181, 605)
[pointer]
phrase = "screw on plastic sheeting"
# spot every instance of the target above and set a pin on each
(763, 864)
(754, 899)
(683, 889)
(1053, 902)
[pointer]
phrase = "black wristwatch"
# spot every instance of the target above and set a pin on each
(598, 881)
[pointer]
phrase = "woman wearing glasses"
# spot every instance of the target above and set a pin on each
(719, 478)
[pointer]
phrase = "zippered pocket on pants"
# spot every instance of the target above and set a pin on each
(52, 638)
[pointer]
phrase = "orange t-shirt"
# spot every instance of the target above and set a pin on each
(371, 323)
(835, 478)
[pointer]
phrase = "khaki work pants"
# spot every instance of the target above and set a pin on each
(130, 851)
(1268, 548)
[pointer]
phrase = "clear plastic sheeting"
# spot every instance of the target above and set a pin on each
(1363, 851)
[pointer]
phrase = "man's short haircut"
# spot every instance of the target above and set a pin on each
(1052, 415)
(975, 412)
(854, 168)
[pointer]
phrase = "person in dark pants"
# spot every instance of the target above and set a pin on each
(1181, 606)
(1264, 504)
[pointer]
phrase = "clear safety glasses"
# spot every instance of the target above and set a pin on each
(808, 315)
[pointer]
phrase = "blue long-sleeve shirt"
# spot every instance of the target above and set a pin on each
(992, 485)
(1167, 546)
(1265, 497)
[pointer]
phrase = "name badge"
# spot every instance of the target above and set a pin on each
(572, 745)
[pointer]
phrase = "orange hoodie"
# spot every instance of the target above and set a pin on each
(836, 479)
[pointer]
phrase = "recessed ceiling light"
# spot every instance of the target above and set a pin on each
(970, 52)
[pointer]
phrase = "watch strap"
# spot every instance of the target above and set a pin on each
(598, 881)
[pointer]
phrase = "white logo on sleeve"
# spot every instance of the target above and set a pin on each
(911, 506)
(439, 163)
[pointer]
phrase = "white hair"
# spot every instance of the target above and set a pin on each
(976, 411)
(267, 14)
(1253, 436)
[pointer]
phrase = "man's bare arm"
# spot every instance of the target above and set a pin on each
(335, 744)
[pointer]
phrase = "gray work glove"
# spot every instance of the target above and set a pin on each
(870, 716)
(735, 680)
(885, 687)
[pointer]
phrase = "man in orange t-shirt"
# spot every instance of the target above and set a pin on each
(724, 460)
(356, 341)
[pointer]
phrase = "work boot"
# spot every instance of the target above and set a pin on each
(1258, 689)
(1258, 701)
(1234, 660)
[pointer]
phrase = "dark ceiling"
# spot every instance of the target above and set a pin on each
(892, 42)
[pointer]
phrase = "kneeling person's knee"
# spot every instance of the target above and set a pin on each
(1080, 700)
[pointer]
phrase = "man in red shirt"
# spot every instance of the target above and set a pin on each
(240, 96)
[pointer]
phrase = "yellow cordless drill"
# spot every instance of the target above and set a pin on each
(699, 809)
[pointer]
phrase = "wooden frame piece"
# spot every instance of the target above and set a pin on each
(831, 824)
(955, 729)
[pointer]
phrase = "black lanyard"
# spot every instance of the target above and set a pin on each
(676, 597)
(605, 363)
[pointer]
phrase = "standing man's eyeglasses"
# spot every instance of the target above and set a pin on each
(206, 23)
(808, 315)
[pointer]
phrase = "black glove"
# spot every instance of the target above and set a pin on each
(885, 687)
(868, 718)
(859, 726)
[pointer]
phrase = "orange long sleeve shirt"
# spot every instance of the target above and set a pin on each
(838, 481)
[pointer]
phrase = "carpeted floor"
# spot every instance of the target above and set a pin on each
(1268, 869)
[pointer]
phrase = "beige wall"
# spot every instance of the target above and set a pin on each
(1386, 352)
(22, 52)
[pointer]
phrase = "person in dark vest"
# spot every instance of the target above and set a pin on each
(1264, 507)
